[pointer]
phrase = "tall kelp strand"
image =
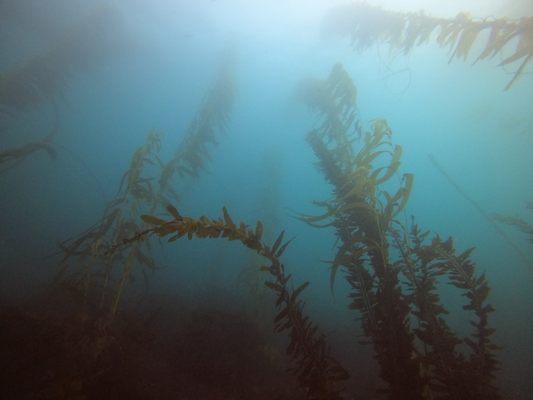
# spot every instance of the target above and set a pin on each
(418, 354)
(87, 264)
(192, 154)
(318, 372)
(367, 25)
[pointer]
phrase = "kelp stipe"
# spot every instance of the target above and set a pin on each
(318, 372)
(366, 25)
(416, 363)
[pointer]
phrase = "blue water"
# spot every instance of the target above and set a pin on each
(459, 113)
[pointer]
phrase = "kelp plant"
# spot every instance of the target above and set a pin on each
(318, 372)
(144, 191)
(392, 271)
(87, 264)
(367, 25)
(192, 154)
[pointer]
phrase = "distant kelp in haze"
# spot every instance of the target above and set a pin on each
(91, 259)
(518, 223)
(491, 219)
(87, 264)
(393, 270)
(211, 119)
(11, 157)
(45, 76)
(367, 25)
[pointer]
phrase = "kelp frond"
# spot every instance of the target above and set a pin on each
(394, 274)
(192, 155)
(367, 25)
(361, 213)
(317, 371)
(482, 363)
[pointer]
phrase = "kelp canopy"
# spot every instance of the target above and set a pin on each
(367, 25)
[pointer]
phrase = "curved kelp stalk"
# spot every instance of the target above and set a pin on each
(367, 25)
(45, 76)
(416, 363)
(317, 371)
(192, 154)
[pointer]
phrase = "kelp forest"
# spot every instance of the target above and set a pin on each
(266, 200)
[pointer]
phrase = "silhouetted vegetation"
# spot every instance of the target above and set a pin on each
(367, 25)
(87, 336)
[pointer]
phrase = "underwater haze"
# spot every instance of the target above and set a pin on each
(231, 199)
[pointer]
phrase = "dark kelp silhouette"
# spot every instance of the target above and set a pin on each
(418, 354)
(367, 25)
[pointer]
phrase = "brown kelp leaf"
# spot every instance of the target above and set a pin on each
(150, 219)
(174, 212)
(259, 230)
(283, 248)
(277, 242)
(227, 218)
